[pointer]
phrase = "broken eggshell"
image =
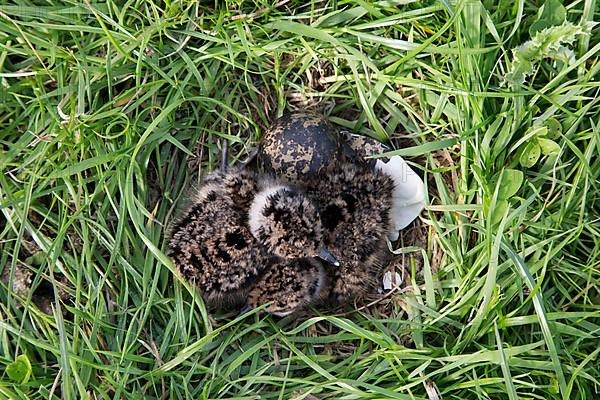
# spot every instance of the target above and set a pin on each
(408, 195)
(391, 281)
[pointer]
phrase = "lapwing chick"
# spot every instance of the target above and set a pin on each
(288, 224)
(210, 242)
(234, 223)
(289, 286)
(356, 203)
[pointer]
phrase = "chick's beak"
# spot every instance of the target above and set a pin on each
(247, 308)
(326, 255)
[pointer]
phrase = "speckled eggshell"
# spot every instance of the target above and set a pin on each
(299, 146)
(363, 146)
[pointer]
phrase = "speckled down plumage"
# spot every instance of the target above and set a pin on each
(210, 242)
(362, 201)
(235, 226)
(355, 203)
(297, 153)
(290, 286)
(287, 223)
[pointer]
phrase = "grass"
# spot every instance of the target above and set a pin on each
(110, 110)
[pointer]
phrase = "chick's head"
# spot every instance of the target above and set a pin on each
(287, 223)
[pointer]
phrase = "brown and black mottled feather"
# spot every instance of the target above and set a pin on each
(241, 186)
(210, 242)
(355, 203)
(290, 286)
(235, 223)
(287, 223)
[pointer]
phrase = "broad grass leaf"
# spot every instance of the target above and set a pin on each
(510, 183)
(554, 128)
(340, 18)
(548, 146)
(20, 370)
(530, 155)
(498, 212)
(552, 13)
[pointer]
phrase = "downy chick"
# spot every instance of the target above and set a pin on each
(210, 243)
(356, 207)
(213, 246)
(288, 224)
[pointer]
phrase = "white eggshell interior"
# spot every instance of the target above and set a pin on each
(408, 195)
